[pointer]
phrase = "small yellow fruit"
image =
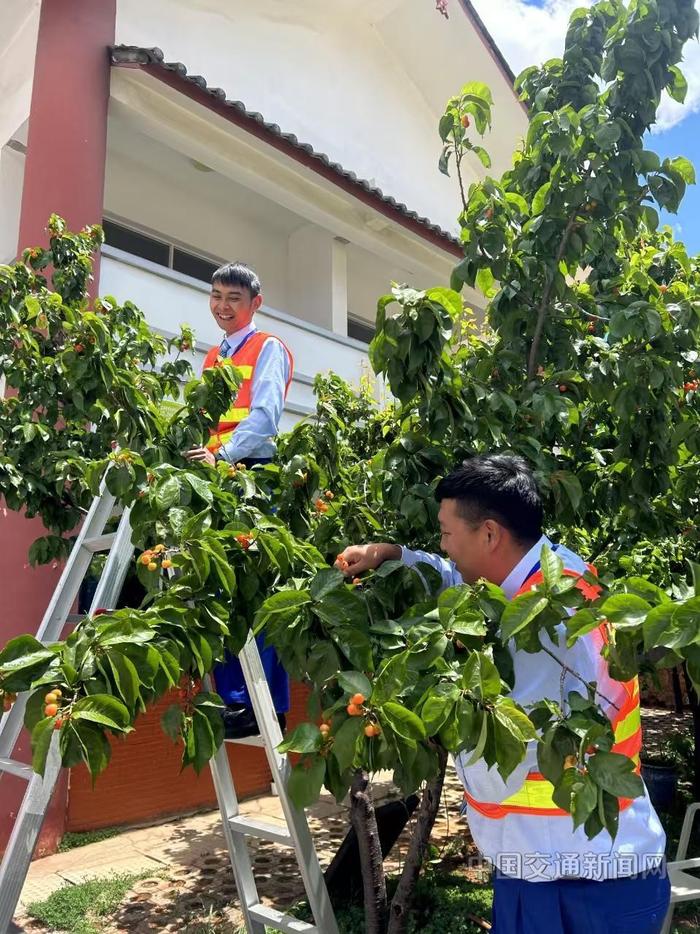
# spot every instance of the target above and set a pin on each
(152, 566)
(167, 563)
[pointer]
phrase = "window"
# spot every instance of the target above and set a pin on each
(131, 241)
(158, 251)
(361, 330)
(194, 266)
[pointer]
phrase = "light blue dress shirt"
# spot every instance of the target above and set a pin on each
(254, 436)
(515, 842)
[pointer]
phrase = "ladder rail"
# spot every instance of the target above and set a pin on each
(235, 843)
(309, 866)
(236, 828)
(25, 833)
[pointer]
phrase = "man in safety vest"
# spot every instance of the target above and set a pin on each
(245, 434)
(549, 879)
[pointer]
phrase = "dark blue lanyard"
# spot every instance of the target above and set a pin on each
(536, 566)
(242, 344)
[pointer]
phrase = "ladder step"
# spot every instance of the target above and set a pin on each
(276, 919)
(248, 741)
(97, 543)
(20, 769)
(259, 828)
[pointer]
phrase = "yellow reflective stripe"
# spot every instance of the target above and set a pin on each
(629, 726)
(533, 794)
(235, 414)
(246, 369)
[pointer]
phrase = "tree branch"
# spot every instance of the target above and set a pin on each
(542, 310)
(364, 820)
(427, 812)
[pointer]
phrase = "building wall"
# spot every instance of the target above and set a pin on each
(19, 24)
(330, 73)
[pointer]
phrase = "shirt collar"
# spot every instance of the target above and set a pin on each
(231, 341)
(515, 580)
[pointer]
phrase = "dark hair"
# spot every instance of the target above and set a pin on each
(237, 274)
(500, 487)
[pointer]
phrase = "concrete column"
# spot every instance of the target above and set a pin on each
(64, 174)
(318, 278)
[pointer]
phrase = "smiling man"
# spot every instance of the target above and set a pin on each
(246, 434)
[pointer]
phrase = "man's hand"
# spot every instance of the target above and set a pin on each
(201, 454)
(358, 558)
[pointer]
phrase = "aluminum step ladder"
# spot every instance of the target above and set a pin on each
(237, 827)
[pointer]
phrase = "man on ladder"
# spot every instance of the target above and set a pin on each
(246, 435)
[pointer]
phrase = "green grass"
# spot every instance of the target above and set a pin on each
(442, 905)
(79, 908)
(70, 841)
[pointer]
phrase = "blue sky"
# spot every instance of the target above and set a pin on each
(531, 31)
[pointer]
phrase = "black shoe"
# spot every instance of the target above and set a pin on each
(240, 722)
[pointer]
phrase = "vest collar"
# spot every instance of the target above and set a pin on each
(231, 342)
(516, 578)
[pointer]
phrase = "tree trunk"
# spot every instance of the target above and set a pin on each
(695, 708)
(427, 812)
(677, 690)
(373, 880)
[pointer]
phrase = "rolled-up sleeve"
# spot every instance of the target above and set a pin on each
(446, 569)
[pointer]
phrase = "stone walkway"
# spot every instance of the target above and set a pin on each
(189, 874)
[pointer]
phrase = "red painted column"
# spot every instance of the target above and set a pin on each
(64, 174)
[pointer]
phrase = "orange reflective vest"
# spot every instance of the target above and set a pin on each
(535, 795)
(245, 358)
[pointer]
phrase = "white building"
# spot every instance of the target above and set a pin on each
(307, 148)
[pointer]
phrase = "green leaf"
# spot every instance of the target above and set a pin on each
(390, 678)
(625, 610)
(203, 740)
(125, 676)
(607, 135)
(552, 566)
(345, 742)
(521, 611)
(325, 581)
(402, 721)
(305, 782)
(483, 156)
(306, 737)
(583, 621)
(24, 652)
(354, 682)
(41, 740)
(615, 774)
(167, 493)
(685, 169)
(481, 677)
(438, 706)
(514, 719)
(538, 202)
(677, 87)
(282, 607)
(103, 709)
(171, 722)
(200, 487)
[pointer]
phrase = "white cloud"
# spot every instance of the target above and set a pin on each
(528, 34)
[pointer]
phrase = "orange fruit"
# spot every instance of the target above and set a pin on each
(167, 563)
(51, 698)
(145, 558)
(50, 710)
(353, 710)
(357, 699)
